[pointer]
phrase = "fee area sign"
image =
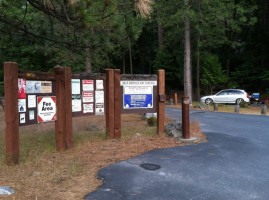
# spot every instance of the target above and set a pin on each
(46, 109)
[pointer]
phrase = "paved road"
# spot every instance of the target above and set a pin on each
(232, 165)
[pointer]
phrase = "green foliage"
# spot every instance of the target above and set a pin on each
(152, 121)
(244, 105)
(165, 60)
(212, 74)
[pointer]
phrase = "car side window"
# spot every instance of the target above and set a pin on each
(222, 93)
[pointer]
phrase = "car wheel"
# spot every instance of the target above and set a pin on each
(208, 101)
(238, 101)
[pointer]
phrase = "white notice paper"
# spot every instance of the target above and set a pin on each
(22, 118)
(31, 114)
(75, 86)
(31, 101)
(99, 85)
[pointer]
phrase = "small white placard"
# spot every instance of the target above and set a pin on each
(31, 101)
(31, 114)
(22, 105)
(99, 85)
(22, 118)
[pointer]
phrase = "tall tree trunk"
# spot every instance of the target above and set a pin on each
(160, 30)
(187, 58)
(130, 55)
(228, 61)
(198, 70)
(88, 62)
(123, 63)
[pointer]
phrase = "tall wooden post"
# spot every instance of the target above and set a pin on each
(117, 101)
(175, 98)
(63, 124)
(185, 118)
(161, 102)
(110, 109)
(11, 113)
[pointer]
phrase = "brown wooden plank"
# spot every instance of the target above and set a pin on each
(117, 101)
(68, 108)
(110, 104)
(60, 128)
(161, 104)
(11, 113)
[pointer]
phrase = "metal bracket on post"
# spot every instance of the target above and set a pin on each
(162, 97)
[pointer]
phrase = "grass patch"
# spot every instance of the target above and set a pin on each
(45, 174)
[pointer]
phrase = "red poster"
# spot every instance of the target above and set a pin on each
(21, 88)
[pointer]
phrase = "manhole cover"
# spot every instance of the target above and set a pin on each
(149, 166)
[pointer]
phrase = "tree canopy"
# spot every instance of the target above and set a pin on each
(228, 39)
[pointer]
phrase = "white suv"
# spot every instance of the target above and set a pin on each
(227, 96)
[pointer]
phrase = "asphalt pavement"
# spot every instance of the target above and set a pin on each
(232, 165)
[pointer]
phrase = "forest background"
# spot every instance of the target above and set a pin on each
(228, 39)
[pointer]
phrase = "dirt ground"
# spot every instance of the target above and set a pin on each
(47, 174)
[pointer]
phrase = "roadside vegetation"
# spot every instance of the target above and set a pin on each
(244, 108)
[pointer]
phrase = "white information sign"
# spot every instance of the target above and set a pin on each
(46, 87)
(31, 114)
(87, 85)
(31, 101)
(99, 109)
(99, 85)
(46, 109)
(87, 97)
(76, 102)
(22, 118)
(88, 108)
(22, 105)
(99, 96)
(75, 86)
(138, 94)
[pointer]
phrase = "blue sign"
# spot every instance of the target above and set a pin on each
(138, 101)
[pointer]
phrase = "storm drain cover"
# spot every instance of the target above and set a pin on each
(149, 166)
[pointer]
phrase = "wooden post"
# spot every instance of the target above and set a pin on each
(185, 118)
(11, 113)
(117, 101)
(175, 98)
(161, 102)
(110, 107)
(63, 124)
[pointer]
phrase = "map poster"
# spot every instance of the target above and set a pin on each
(87, 85)
(88, 108)
(87, 97)
(33, 87)
(76, 102)
(75, 86)
(21, 88)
